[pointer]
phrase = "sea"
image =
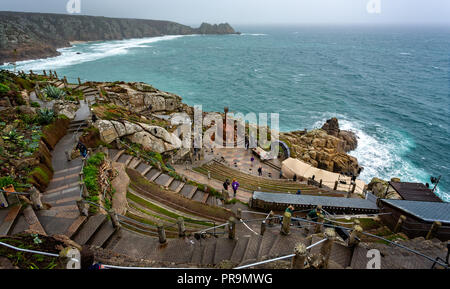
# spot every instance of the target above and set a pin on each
(388, 84)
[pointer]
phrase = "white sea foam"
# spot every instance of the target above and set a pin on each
(86, 52)
(382, 153)
(253, 34)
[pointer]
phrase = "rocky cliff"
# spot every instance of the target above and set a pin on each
(325, 148)
(35, 35)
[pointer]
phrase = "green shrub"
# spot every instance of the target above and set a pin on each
(13, 136)
(3, 88)
(6, 181)
(45, 116)
(35, 104)
(54, 92)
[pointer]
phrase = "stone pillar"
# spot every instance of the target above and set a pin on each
(399, 224)
(35, 197)
(318, 227)
(68, 158)
(298, 262)
(263, 227)
(286, 224)
(83, 207)
(335, 185)
(433, 229)
(270, 219)
(232, 228)
(352, 240)
(209, 175)
(239, 213)
(181, 227)
(327, 246)
(114, 219)
(161, 234)
(84, 190)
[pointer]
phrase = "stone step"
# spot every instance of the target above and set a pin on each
(205, 198)
(180, 187)
(239, 249)
(284, 245)
(9, 219)
(266, 244)
(339, 253)
(211, 201)
(75, 226)
(134, 163)
(198, 196)
(208, 252)
(196, 257)
(146, 170)
(112, 153)
(118, 155)
(163, 180)
(123, 158)
(128, 161)
(33, 222)
(174, 185)
(178, 251)
(188, 191)
(152, 174)
(103, 235)
(224, 249)
(251, 253)
(89, 229)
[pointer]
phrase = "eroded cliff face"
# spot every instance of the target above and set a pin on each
(37, 35)
(325, 148)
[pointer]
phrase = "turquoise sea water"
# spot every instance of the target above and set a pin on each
(390, 85)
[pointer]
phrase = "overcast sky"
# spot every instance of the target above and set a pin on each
(244, 12)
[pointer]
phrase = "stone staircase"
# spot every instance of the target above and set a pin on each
(95, 231)
(158, 177)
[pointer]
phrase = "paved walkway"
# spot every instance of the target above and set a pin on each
(64, 188)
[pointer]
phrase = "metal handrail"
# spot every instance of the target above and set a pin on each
(279, 258)
(34, 251)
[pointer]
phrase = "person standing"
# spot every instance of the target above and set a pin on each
(252, 159)
(260, 171)
(82, 148)
(235, 186)
(295, 178)
(226, 184)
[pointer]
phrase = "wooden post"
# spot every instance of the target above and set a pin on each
(286, 223)
(232, 228)
(320, 183)
(239, 214)
(353, 188)
(335, 185)
(263, 227)
(327, 246)
(399, 224)
(161, 233)
(31, 72)
(318, 227)
(45, 73)
(352, 240)
(433, 229)
(270, 219)
(181, 227)
(79, 81)
(65, 80)
(56, 75)
(298, 262)
(114, 219)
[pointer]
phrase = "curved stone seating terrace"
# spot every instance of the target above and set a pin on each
(254, 183)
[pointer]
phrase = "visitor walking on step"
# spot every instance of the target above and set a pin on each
(252, 159)
(226, 184)
(235, 186)
(94, 118)
(295, 178)
(82, 148)
(260, 171)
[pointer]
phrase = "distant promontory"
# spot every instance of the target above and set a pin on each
(26, 36)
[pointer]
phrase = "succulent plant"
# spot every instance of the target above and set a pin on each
(54, 92)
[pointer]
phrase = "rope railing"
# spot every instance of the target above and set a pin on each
(279, 258)
(14, 193)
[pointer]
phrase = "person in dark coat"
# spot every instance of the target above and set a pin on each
(82, 148)
(260, 171)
